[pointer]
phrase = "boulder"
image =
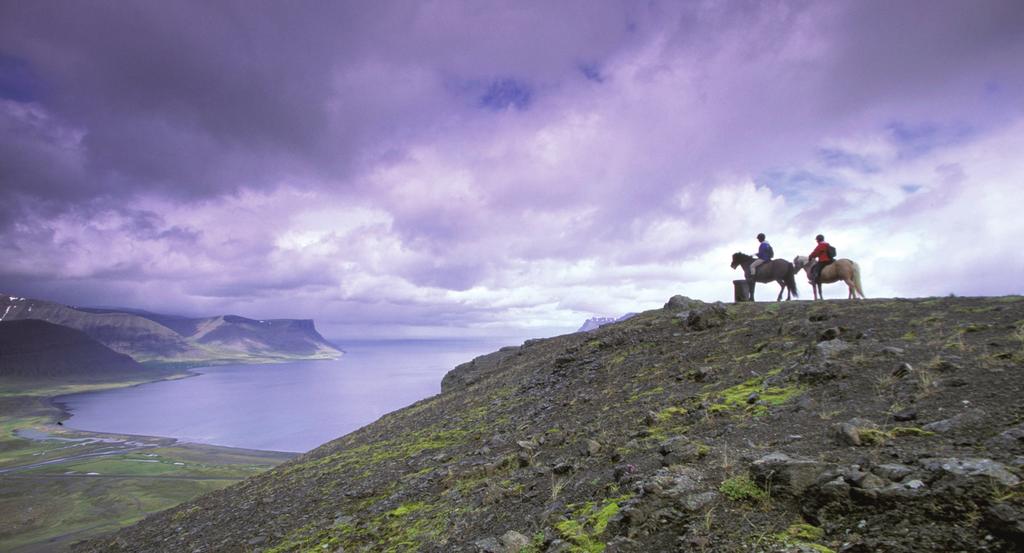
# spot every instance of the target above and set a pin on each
(971, 468)
(697, 501)
(513, 541)
(967, 418)
(786, 475)
(1011, 438)
(680, 450)
(673, 482)
(892, 471)
(678, 302)
(831, 348)
(488, 545)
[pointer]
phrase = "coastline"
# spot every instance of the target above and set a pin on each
(67, 485)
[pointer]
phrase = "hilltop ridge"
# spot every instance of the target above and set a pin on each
(875, 425)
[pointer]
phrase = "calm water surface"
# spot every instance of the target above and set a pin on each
(285, 407)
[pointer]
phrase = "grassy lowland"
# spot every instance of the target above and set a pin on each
(58, 486)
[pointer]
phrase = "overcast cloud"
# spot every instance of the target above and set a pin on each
(500, 168)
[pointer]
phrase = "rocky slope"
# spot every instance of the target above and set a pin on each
(166, 339)
(30, 348)
(866, 426)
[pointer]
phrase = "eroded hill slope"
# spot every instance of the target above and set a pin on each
(879, 425)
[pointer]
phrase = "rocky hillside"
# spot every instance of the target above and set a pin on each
(865, 426)
(165, 339)
(37, 348)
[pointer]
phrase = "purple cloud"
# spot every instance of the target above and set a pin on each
(435, 169)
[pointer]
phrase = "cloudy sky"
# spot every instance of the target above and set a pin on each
(438, 169)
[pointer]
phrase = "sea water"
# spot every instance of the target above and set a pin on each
(280, 407)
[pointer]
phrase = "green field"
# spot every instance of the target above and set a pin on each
(62, 486)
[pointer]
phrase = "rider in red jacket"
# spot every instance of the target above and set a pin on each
(820, 253)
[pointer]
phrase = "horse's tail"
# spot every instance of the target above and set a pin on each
(791, 283)
(856, 279)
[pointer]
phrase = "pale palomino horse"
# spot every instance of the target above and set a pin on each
(841, 270)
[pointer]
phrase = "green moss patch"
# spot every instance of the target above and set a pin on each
(588, 523)
(735, 398)
(742, 488)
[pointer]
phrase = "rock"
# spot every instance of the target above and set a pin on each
(971, 468)
(785, 474)
(673, 482)
(514, 541)
(892, 471)
(679, 450)
(820, 316)
(528, 445)
(489, 545)
(563, 468)
(967, 418)
(258, 540)
(847, 433)
(589, 447)
(915, 484)
(753, 397)
(829, 334)
(954, 382)
(697, 501)
(524, 459)
(554, 437)
(830, 348)
(622, 472)
(559, 546)
(702, 373)
(817, 373)
(868, 481)
(682, 302)
(893, 351)
(1012, 438)
(706, 317)
(837, 488)
(1007, 519)
(905, 415)
(622, 544)
(903, 370)
(650, 418)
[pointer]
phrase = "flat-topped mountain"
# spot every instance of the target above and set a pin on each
(167, 339)
(841, 426)
(30, 348)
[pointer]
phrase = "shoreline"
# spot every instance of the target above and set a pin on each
(56, 427)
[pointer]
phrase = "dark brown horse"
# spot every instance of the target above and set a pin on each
(778, 270)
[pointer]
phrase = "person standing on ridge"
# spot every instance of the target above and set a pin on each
(764, 255)
(821, 253)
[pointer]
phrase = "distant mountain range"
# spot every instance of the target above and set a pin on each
(595, 323)
(157, 339)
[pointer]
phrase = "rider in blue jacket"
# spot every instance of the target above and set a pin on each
(764, 254)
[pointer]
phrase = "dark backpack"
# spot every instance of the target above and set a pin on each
(831, 252)
(771, 252)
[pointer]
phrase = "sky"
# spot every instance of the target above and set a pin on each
(447, 169)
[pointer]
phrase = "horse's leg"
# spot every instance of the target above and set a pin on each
(781, 288)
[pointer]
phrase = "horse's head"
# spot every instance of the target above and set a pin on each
(799, 262)
(737, 258)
